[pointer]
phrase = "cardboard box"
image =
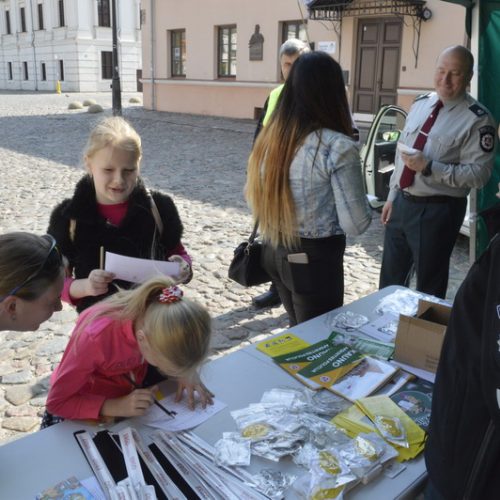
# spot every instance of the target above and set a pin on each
(419, 338)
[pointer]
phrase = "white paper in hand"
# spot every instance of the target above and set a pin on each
(403, 148)
(138, 270)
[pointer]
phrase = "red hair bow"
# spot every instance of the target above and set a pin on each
(170, 295)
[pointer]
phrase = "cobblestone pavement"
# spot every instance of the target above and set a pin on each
(201, 162)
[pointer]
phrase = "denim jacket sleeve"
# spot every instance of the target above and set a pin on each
(352, 207)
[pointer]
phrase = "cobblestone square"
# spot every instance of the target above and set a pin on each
(201, 162)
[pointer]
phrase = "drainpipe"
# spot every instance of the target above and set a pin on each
(116, 84)
(33, 43)
(152, 18)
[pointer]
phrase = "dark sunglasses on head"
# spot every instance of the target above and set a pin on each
(32, 276)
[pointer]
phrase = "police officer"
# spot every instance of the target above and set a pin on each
(452, 141)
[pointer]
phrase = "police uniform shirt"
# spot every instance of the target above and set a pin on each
(460, 144)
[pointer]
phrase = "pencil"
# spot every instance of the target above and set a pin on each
(170, 413)
(101, 258)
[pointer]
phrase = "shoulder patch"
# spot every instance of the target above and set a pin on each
(477, 110)
(487, 138)
(423, 96)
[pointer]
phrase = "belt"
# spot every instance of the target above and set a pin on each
(427, 199)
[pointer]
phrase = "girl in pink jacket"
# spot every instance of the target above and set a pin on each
(103, 368)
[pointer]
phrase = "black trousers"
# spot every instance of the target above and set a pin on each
(308, 290)
(421, 234)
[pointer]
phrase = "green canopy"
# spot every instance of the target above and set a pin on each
(488, 63)
(488, 68)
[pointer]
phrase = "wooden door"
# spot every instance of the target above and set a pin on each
(377, 64)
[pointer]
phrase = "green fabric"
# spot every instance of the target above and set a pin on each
(271, 103)
(489, 95)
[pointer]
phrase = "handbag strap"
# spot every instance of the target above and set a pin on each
(158, 225)
(254, 232)
(155, 212)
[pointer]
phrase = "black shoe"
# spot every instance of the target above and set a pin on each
(270, 298)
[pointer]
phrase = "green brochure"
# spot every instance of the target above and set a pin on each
(370, 347)
(332, 365)
(293, 362)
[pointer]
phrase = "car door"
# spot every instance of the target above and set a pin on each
(379, 152)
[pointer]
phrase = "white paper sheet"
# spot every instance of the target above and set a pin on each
(403, 148)
(429, 376)
(185, 418)
(138, 270)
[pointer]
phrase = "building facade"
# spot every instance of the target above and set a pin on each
(220, 57)
(70, 41)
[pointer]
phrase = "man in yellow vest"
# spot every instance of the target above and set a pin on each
(289, 52)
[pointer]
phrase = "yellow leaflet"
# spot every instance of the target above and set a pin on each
(327, 494)
(283, 344)
(353, 421)
(384, 406)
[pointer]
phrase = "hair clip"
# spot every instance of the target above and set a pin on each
(170, 295)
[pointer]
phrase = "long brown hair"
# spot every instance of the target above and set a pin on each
(313, 98)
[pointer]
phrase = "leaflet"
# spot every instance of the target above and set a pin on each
(282, 344)
(138, 270)
(364, 345)
(333, 364)
(295, 361)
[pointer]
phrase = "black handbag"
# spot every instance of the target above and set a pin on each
(245, 268)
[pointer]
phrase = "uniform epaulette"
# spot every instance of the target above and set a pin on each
(477, 109)
(423, 96)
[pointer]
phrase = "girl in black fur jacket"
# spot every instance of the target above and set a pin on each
(111, 208)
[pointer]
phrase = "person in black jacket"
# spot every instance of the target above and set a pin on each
(462, 452)
(111, 208)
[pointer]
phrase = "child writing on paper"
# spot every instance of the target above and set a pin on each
(113, 343)
(111, 208)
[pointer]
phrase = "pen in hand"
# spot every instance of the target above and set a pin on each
(170, 413)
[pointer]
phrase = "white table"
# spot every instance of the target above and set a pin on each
(42, 459)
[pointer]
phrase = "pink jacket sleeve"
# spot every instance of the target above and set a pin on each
(65, 398)
(65, 295)
(180, 250)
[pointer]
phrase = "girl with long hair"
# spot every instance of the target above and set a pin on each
(305, 188)
(112, 209)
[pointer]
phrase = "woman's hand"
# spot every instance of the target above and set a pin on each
(134, 404)
(185, 272)
(190, 386)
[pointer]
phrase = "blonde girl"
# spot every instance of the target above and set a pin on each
(31, 280)
(114, 341)
(111, 208)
